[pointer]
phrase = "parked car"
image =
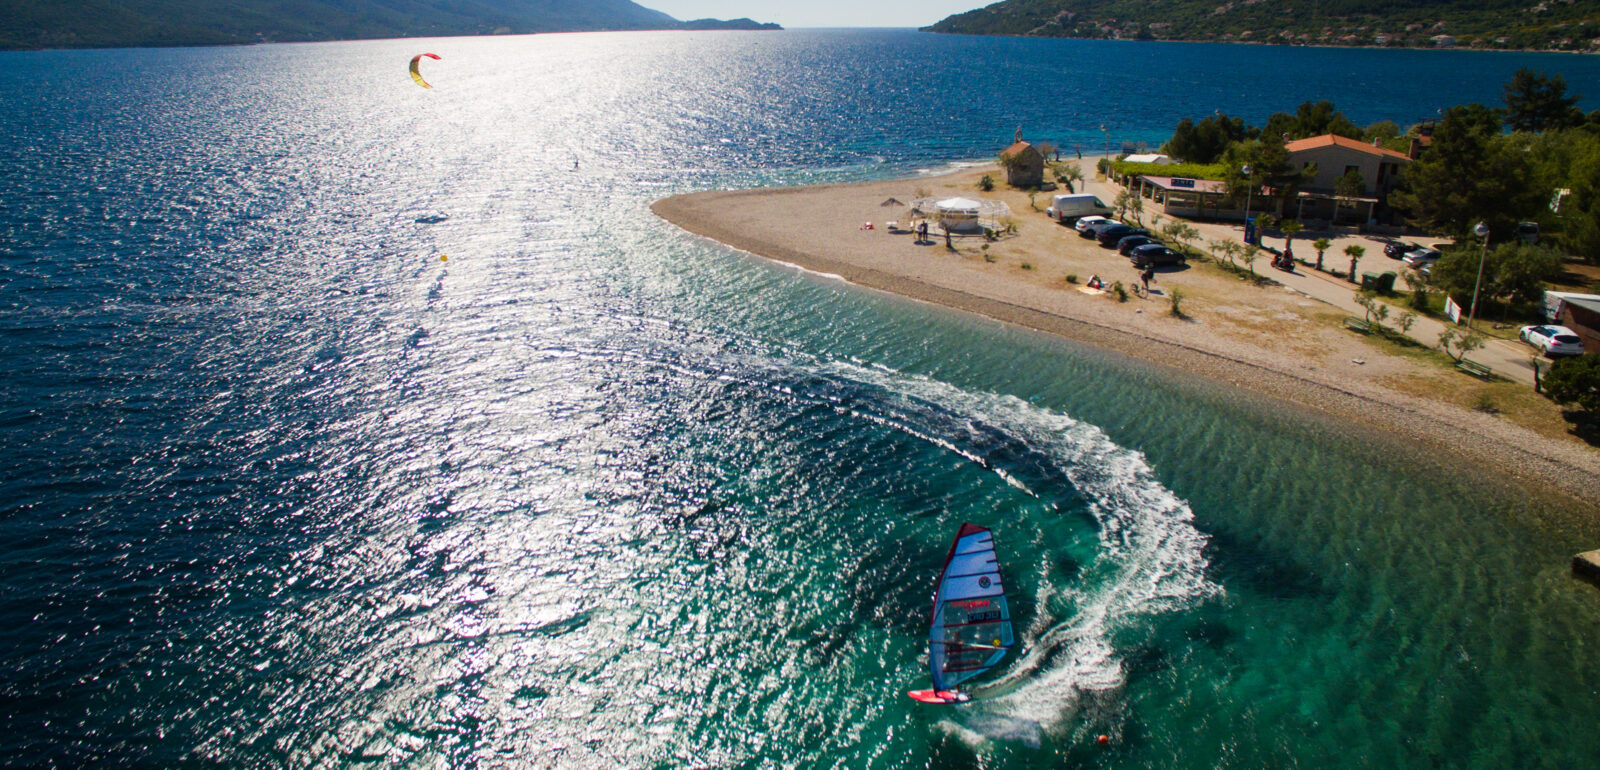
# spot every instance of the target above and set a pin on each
(1528, 232)
(1422, 257)
(1108, 236)
(1094, 228)
(1155, 254)
(1553, 340)
(1398, 249)
(1084, 223)
(1128, 243)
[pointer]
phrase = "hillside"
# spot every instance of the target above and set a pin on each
(1572, 25)
(128, 23)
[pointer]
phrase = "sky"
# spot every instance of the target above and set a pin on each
(819, 13)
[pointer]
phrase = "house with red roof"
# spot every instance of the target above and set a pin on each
(1024, 164)
(1332, 158)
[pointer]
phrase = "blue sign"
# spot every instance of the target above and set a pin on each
(1179, 181)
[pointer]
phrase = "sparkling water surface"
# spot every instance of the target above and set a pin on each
(285, 486)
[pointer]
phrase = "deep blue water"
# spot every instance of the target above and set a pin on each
(286, 486)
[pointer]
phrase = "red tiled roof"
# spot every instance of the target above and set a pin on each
(1334, 140)
(1016, 148)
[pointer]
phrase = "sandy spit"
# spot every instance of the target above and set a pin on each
(1232, 334)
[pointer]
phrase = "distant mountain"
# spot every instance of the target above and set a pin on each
(126, 23)
(1571, 25)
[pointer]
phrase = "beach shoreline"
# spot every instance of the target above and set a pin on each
(819, 229)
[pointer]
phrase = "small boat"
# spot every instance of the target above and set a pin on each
(970, 631)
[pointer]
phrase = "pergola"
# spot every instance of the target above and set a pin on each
(962, 214)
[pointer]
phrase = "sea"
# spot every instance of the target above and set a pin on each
(349, 423)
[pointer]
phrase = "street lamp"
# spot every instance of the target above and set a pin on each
(1107, 159)
(1248, 195)
(1482, 231)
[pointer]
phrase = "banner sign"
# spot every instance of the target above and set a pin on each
(1452, 309)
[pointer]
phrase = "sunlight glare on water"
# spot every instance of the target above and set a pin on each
(355, 423)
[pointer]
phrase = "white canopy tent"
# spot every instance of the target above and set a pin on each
(962, 214)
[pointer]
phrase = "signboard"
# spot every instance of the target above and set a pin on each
(1179, 181)
(1452, 309)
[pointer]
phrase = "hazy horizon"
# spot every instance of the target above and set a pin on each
(820, 13)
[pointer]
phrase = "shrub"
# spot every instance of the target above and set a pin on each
(1211, 171)
(1072, 277)
(986, 184)
(1120, 292)
(1175, 296)
(1027, 266)
(1575, 381)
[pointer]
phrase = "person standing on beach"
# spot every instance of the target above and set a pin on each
(1147, 276)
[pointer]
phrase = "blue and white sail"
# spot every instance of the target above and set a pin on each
(971, 628)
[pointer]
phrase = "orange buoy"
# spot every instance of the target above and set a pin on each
(1103, 740)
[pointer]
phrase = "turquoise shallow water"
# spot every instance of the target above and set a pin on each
(286, 488)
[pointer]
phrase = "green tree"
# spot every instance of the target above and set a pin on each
(1514, 272)
(1274, 177)
(1575, 381)
(1355, 253)
(1579, 214)
(1404, 321)
(1381, 131)
(1206, 141)
(1351, 185)
(1457, 343)
(1535, 102)
(1226, 248)
(1068, 174)
(1309, 119)
(1469, 175)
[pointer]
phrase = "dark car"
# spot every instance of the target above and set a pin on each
(1398, 249)
(1155, 254)
(1129, 243)
(1093, 231)
(1108, 236)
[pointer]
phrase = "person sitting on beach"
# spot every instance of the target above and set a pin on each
(866, 225)
(1095, 282)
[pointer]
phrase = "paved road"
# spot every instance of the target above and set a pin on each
(1510, 359)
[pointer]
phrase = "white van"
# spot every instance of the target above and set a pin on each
(1067, 208)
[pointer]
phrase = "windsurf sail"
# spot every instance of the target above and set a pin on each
(971, 627)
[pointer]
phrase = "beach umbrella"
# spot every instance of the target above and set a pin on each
(891, 202)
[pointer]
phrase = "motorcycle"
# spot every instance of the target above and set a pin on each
(1284, 262)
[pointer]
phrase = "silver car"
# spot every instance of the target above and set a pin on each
(1421, 257)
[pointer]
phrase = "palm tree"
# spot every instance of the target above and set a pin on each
(1355, 253)
(1321, 245)
(1289, 228)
